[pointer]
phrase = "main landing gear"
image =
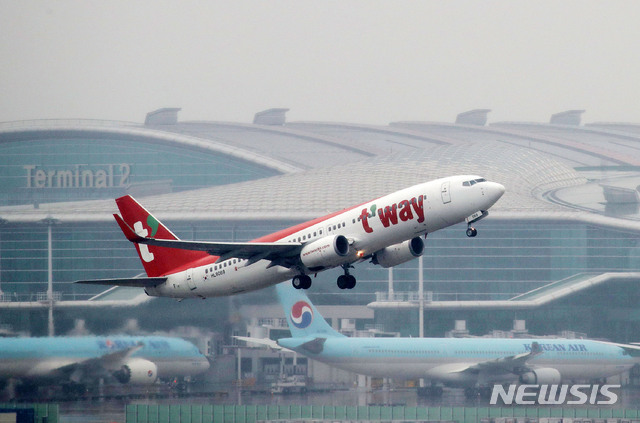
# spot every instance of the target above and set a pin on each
(346, 281)
(301, 282)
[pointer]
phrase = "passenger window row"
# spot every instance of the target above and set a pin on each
(317, 233)
(223, 265)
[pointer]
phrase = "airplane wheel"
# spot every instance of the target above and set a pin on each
(471, 232)
(342, 281)
(305, 281)
(297, 282)
(351, 281)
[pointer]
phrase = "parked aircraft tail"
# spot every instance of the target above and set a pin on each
(157, 261)
(303, 318)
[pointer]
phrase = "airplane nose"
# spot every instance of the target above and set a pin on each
(495, 191)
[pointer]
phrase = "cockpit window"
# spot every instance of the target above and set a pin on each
(473, 182)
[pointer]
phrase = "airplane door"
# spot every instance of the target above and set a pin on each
(190, 281)
(446, 194)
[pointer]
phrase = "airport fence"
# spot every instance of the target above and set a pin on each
(147, 413)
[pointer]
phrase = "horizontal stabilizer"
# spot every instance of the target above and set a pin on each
(315, 346)
(269, 343)
(130, 282)
(126, 229)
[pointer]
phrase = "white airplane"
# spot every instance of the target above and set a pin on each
(387, 230)
(74, 362)
(471, 363)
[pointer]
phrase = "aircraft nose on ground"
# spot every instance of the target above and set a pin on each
(494, 190)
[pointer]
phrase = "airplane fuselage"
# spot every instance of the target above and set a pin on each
(369, 228)
(42, 358)
(444, 359)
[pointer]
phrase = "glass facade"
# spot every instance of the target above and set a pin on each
(72, 169)
(504, 260)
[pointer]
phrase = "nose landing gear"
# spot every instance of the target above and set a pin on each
(480, 214)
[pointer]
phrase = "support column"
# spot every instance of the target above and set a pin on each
(391, 293)
(50, 221)
(421, 298)
(421, 305)
(2, 223)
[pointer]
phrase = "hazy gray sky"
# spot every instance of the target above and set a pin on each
(354, 61)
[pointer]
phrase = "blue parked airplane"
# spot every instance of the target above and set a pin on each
(79, 361)
(459, 362)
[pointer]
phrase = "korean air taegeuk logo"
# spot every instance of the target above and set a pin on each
(301, 315)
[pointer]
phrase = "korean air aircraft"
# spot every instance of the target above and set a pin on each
(457, 362)
(388, 231)
(75, 361)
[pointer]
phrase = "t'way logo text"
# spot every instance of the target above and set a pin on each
(389, 215)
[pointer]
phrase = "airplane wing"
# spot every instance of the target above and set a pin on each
(632, 349)
(511, 364)
(129, 282)
(253, 251)
(80, 370)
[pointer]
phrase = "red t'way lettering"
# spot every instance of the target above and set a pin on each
(418, 207)
(389, 215)
(364, 217)
(405, 210)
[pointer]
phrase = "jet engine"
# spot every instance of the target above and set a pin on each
(396, 254)
(329, 251)
(542, 376)
(137, 371)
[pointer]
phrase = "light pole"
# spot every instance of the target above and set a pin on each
(421, 298)
(421, 305)
(50, 221)
(2, 223)
(391, 293)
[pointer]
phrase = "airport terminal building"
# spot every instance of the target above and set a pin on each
(559, 250)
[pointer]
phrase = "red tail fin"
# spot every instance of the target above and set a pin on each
(157, 261)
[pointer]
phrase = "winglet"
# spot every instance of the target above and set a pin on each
(126, 229)
(536, 348)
